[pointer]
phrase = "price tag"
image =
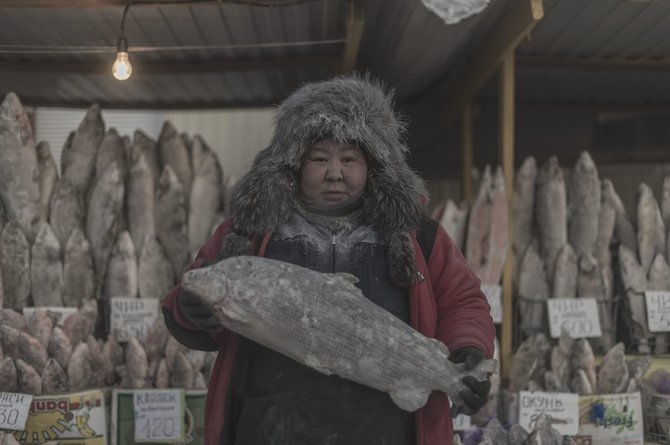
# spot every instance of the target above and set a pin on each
(14, 410)
(462, 423)
(132, 317)
(493, 293)
(658, 310)
(578, 316)
(562, 407)
(159, 415)
(63, 311)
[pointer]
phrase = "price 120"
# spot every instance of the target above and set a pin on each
(158, 428)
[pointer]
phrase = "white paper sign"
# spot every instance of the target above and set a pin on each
(462, 423)
(493, 294)
(63, 311)
(658, 310)
(579, 316)
(562, 407)
(612, 419)
(14, 410)
(132, 317)
(159, 415)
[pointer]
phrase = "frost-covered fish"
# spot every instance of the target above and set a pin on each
(606, 223)
(524, 364)
(543, 433)
(41, 325)
(584, 204)
(454, 220)
(155, 339)
(156, 276)
(524, 205)
(48, 177)
(46, 269)
(60, 347)
(205, 199)
(479, 223)
(54, 378)
(148, 148)
(638, 367)
(162, 379)
(104, 216)
(141, 198)
(15, 266)
(137, 364)
(560, 359)
(181, 372)
(28, 378)
(533, 288)
(13, 319)
(8, 381)
(496, 245)
(634, 281)
(647, 220)
(112, 149)
(516, 435)
(80, 369)
(172, 220)
(81, 324)
(290, 309)
(613, 374)
(583, 358)
(589, 279)
(553, 384)
(565, 274)
(19, 171)
(78, 270)
(19, 344)
(122, 278)
(174, 151)
(67, 212)
(623, 225)
(79, 156)
(550, 207)
(581, 384)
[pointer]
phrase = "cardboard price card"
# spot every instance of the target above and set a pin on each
(462, 423)
(75, 418)
(158, 415)
(579, 316)
(561, 407)
(493, 294)
(132, 317)
(658, 310)
(14, 410)
(612, 419)
(123, 420)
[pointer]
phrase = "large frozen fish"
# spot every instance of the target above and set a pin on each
(561, 356)
(665, 202)
(543, 433)
(121, 279)
(81, 324)
(174, 151)
(41, 325)
(583, 358)
(172, 220)
(496, 246)
(533, 290)
(454, 220)
(589, 279)
(48, 177)
(46, 269)
(111, 150)
(613, 374)
(147, 146)
(60, 347)
(565, 274)
(638, 367)
(137, 364)
(634, 280)
(647, 221)
(3, 215)
(479, 222)
(29, 380)
(516, 435)
(18, 344)
(78, 270)
(141, 197)
(584, 204)
(550, 207)
(79, 156)
(8, 381)
(54, 378)
(181, 372)
(524, 363)
(155, 339)
(606, 222)
(156, 277)
(291, 309)
(80, 369)
(104, 216)
(67, 212)
(524, 205)
(205, 199)
(623, 225)
(580, 383)
(13, 319)
(15, 266)
(19, 171)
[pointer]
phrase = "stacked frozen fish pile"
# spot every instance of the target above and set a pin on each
(41, 355)
(480, 231)
(124, 219)
(495, 434)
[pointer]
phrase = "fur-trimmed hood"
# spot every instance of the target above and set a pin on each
(348, 109)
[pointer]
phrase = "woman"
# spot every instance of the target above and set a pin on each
(334, 193)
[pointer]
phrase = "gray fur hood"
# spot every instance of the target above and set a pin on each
(348, 109)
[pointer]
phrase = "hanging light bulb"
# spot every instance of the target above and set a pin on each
(122, 69)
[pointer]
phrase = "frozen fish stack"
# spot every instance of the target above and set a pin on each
(494, 433)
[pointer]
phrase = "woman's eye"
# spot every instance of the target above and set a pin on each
(348, 160)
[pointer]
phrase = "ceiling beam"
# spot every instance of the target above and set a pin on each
(517, 20)
(592, 63)
(355, 22)
(95, 3)
(218, 104)
(141, 67)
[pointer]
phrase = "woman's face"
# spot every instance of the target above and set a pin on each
(332, 173)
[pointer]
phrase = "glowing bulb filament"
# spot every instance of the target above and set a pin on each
(122, 69)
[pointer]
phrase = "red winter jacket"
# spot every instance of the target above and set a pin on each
(447, 305)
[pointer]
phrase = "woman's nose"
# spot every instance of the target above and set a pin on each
(334, 171)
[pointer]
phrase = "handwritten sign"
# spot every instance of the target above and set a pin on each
(563, 408)
(462, 423)
(578, 316)
(493, 294)
(612, 419)
(63, 311)
(132, 317)
(658, 310)
(159, 415)
(14, 410)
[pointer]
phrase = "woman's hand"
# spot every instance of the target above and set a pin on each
(477, 393)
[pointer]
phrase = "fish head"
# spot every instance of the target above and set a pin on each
(209, 283)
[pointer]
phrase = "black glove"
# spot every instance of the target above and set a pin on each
(477, 393)
(197, 311)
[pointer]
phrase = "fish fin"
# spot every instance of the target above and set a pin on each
(347, 277)
(314, 363)
(410, 399)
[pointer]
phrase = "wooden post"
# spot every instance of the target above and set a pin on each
(468, 149)
(506, 128)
